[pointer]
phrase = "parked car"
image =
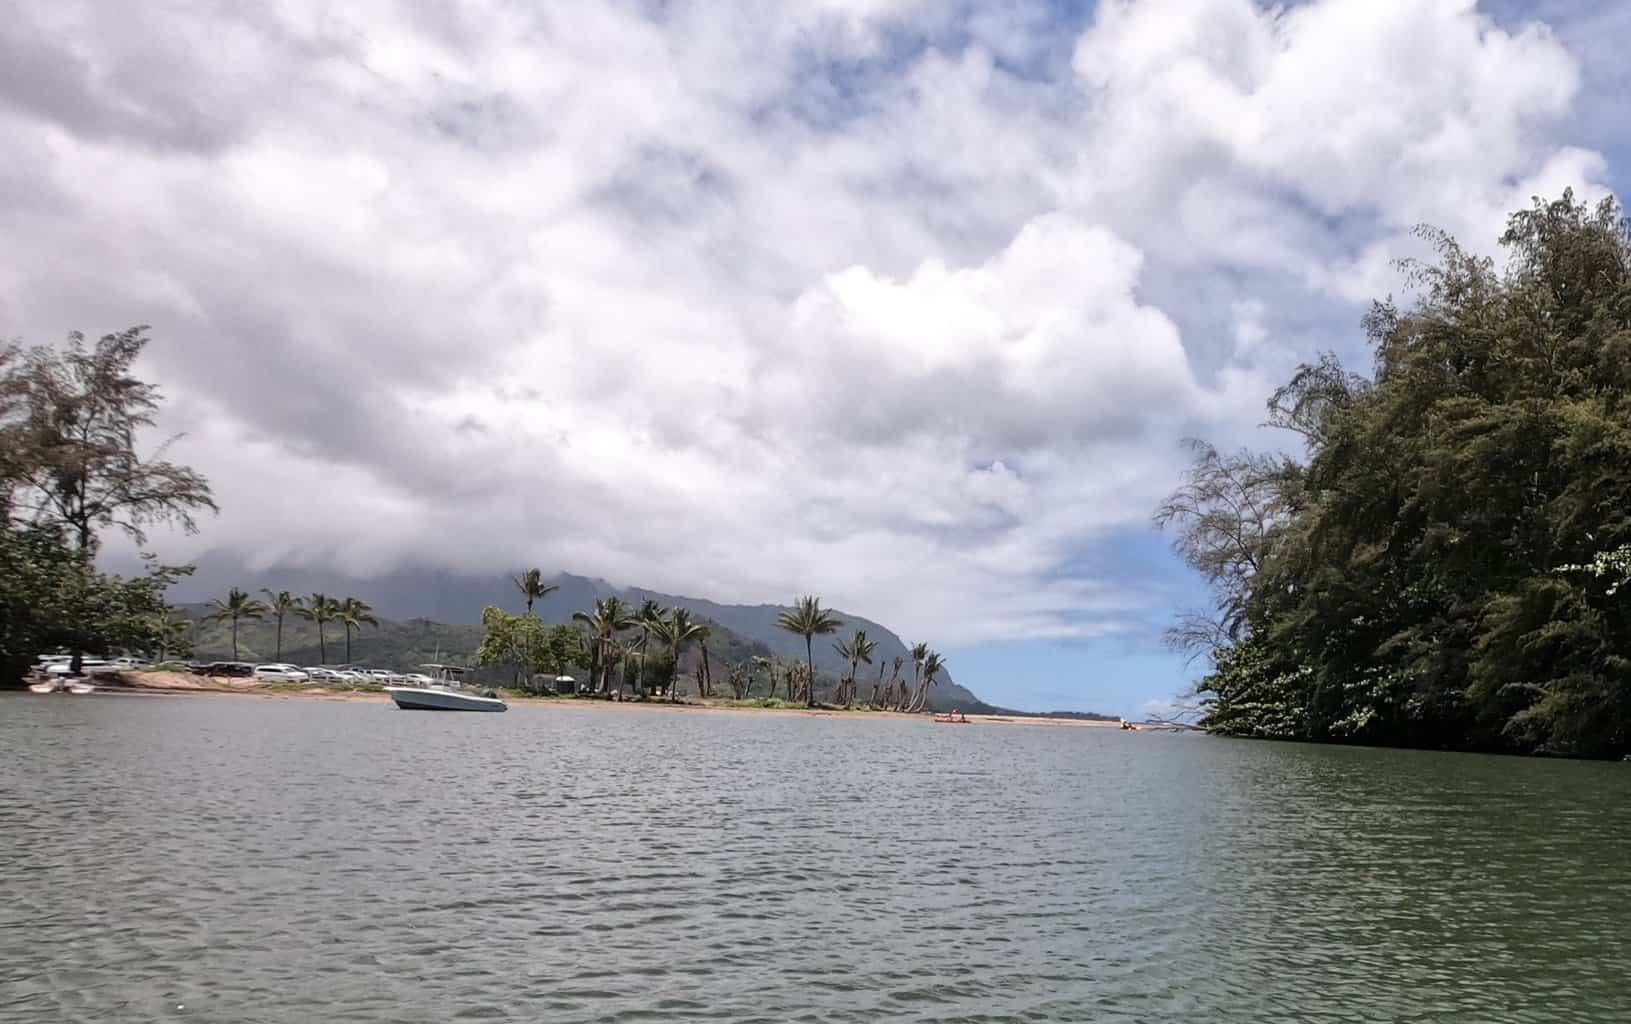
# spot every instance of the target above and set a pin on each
(281, 673)
(88, 666)
(346, 675)
(382, 676)
(235, 669)
(320, 674)
(417, 679)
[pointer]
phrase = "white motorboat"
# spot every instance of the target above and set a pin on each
(445, 693)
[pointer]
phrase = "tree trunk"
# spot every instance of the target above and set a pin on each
(234, 638)
(348, 643)
(809, 655)
(707, 682)
(279, 655)
(322, 645)
(674, 678)
(76, 664)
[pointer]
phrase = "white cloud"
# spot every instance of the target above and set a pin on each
(737, 300)
(1280, 135)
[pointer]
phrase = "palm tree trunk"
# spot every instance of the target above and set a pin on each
(809, 656)
(706, 683)
(234, 638)
(348, 642)
(322, 645)
(279, 655)
(640, 678)
(674, 677)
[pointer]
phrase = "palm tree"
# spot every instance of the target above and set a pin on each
(611, 616)
(319, 608)
(650, 612)
(172, 635)
(877, 684)
(237, 606)
(854, 650)
(354, 613)
(807, 618)
(705, 682)
(280, 606)
(894, 677)
(676, 631)
(932, 665)
(919, 652)
(533, 588)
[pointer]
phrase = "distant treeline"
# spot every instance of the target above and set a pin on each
(1444, 567)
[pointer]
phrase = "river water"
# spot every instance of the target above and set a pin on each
(239, 859)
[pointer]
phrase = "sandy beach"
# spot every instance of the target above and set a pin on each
(186, 683)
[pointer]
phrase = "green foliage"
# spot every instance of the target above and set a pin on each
(808, 619)
(1444, 568)
(856, 650)
(527, 647)
(353, 613)
(280, 606)
(674, 632)
(52, 598)
(532, 587)
(237, 607)
(319, 609)
(70, 419)
(609, 618)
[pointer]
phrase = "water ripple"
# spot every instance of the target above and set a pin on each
(244, 860)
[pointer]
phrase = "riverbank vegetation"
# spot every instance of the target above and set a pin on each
(70, 417)
(627, 652)
(1442, 564)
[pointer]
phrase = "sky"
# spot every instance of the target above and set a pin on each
(905, 303)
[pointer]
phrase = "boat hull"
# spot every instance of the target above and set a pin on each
(412, 698)
(62, 686)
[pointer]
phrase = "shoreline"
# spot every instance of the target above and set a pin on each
(174, 684)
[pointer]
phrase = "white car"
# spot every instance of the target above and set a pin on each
(346, 675)
(321, 674)
(88, 666)
(417, 679)
(281, 673)
(381, 676)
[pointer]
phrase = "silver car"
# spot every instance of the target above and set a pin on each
(281, 674)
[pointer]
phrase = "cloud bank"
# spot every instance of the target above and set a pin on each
(904, 304)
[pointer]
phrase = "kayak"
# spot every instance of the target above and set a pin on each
(948, 720)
